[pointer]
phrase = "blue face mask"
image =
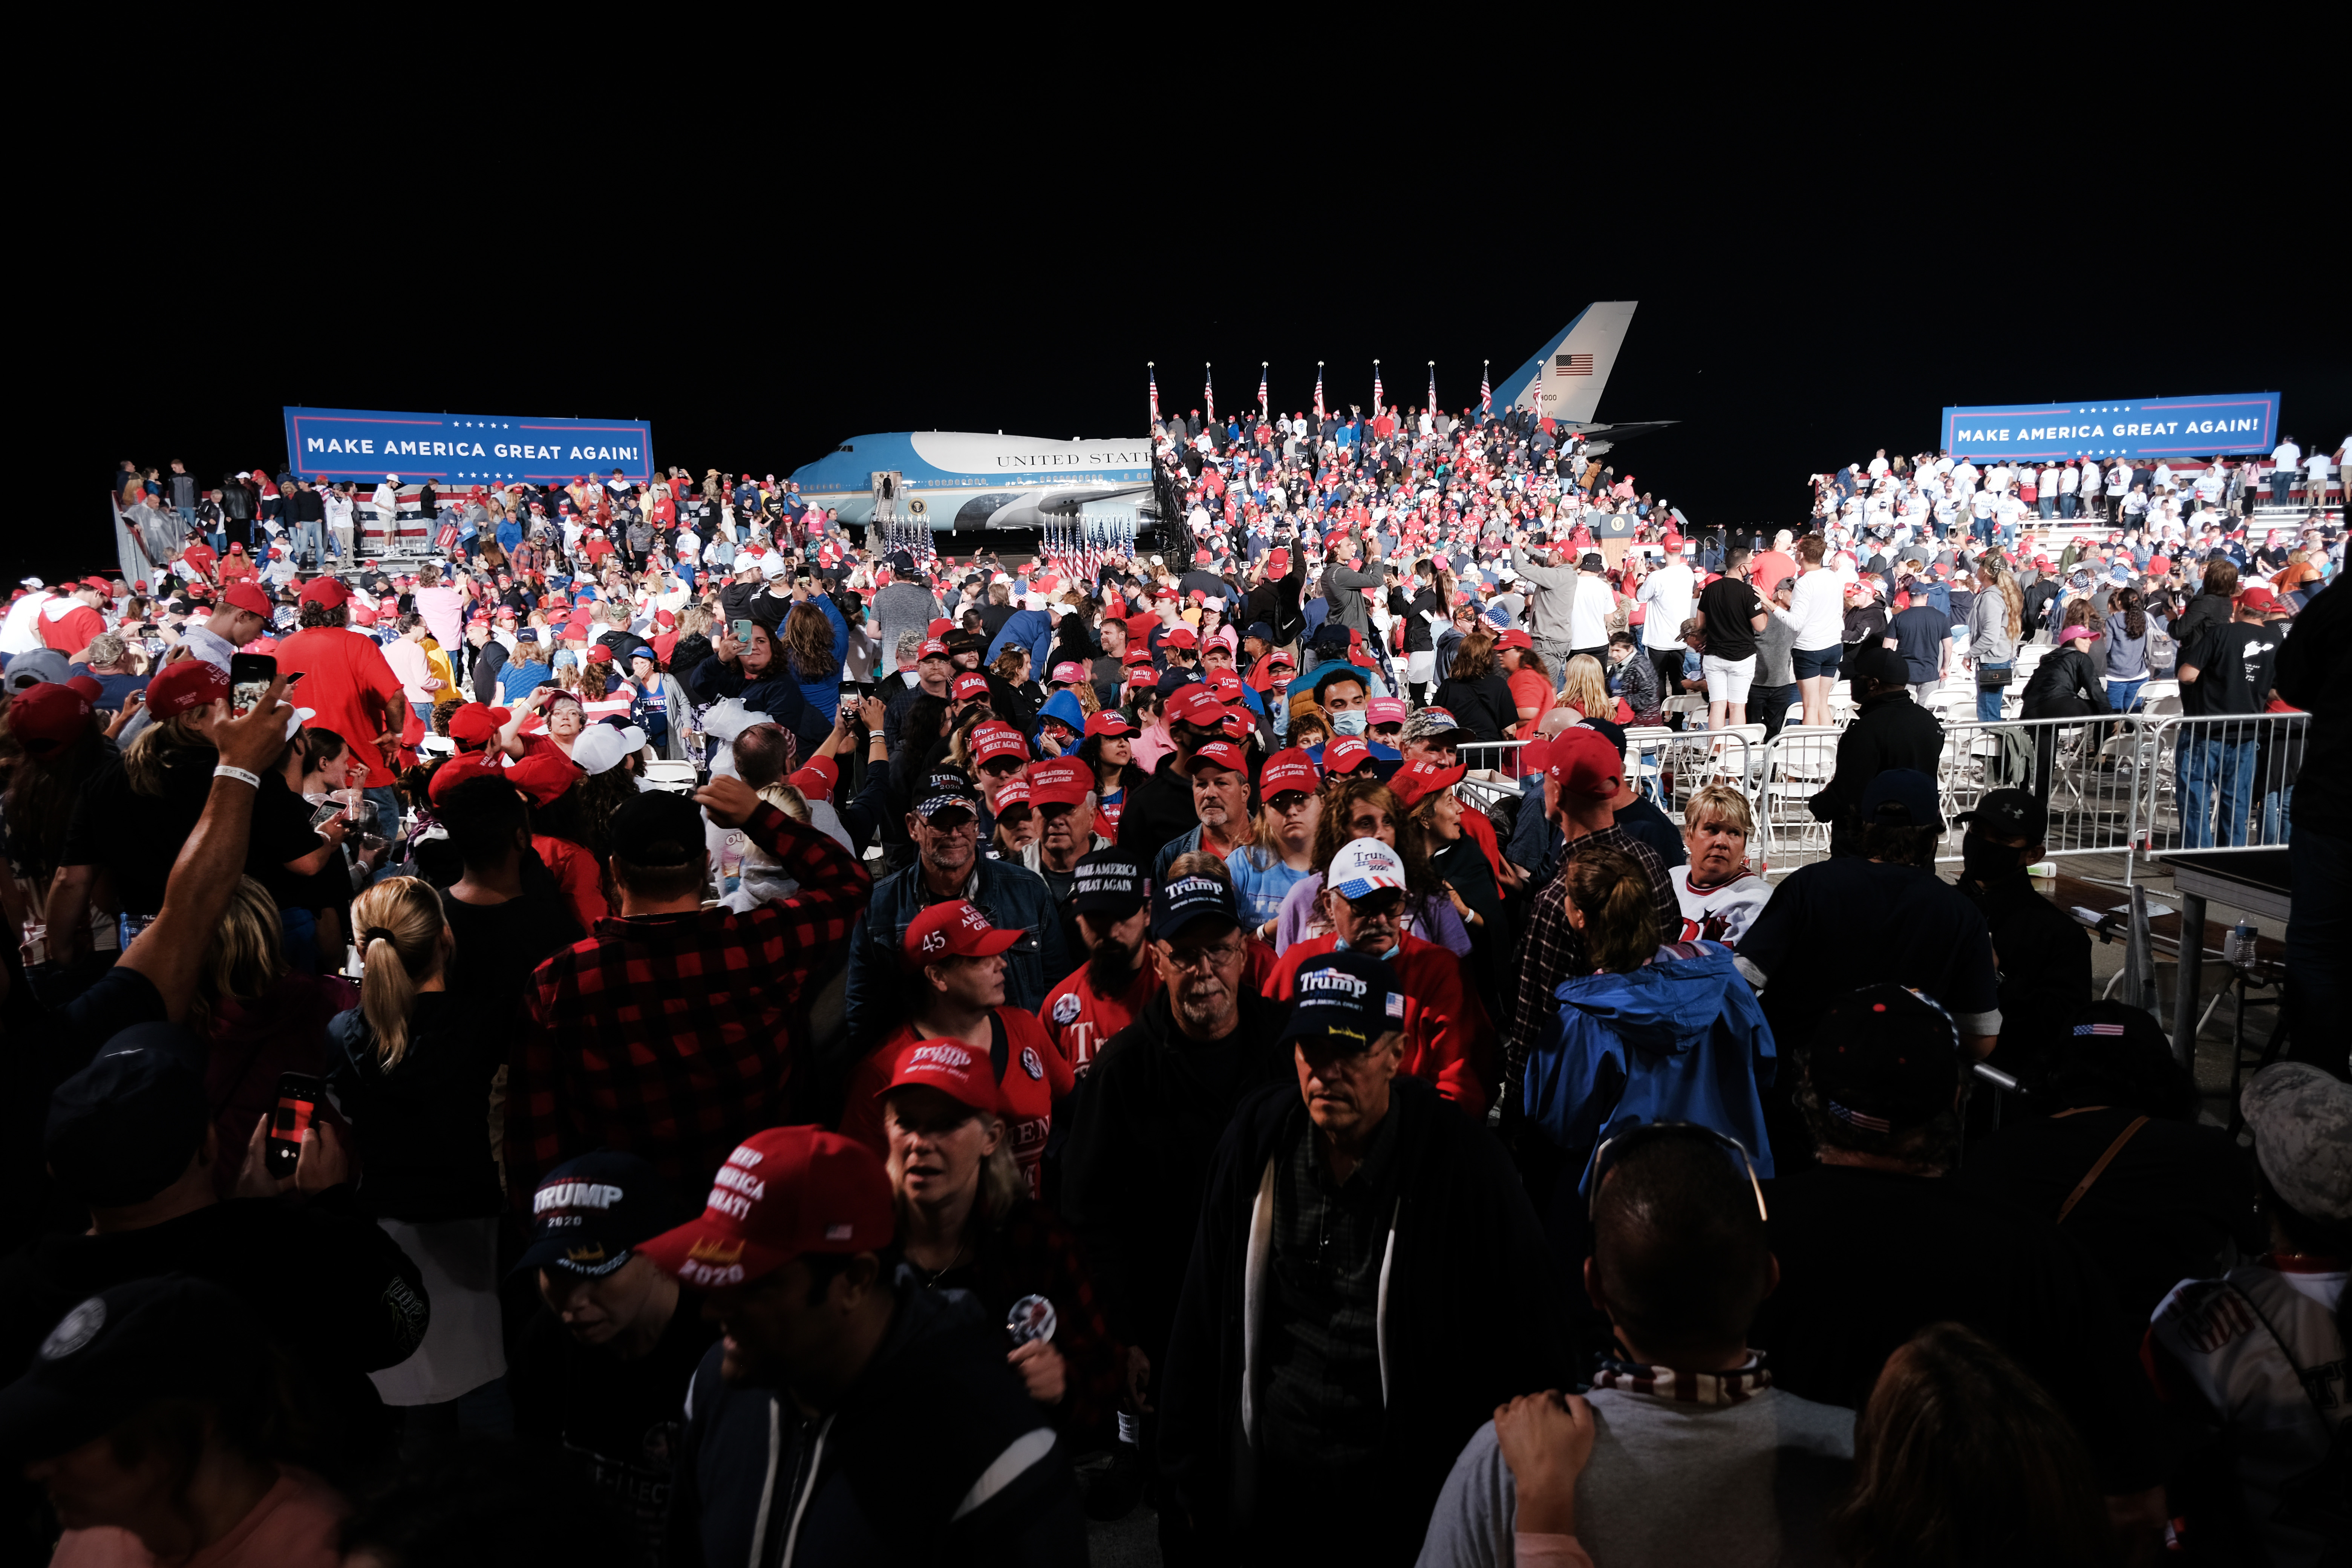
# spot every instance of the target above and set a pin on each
(1350, 721)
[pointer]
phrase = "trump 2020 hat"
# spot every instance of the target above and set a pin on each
(588, 1214)
(958, 1070)
(1188, 900)
(1363, 866)
(782, 1193)
(1349, 998)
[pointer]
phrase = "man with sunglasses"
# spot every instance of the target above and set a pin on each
(1369, 1284)
(1148, 1115)
(1449, 1040)
(1680, 1405)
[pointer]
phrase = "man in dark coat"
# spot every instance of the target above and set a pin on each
(1889, 731)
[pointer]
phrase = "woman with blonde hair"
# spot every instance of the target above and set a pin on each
(1996, 621)
(413, 1070)
(258, 1016)
(1584, 688)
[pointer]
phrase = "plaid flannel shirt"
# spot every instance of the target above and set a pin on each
(668, 1036)
(1555, 952)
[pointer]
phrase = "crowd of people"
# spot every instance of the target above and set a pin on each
(772, 1047)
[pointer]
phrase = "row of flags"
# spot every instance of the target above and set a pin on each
(1379, 395)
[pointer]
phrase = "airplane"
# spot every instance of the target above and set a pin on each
(956, 481)
(1575, 368)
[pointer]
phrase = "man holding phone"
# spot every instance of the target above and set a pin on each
(350, 687)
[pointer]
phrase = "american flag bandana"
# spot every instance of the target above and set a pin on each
(1703, 1388)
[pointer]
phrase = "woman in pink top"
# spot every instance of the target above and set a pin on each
(443, 606)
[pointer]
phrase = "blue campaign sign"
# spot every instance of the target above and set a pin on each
(368, 444)
(2126, 427)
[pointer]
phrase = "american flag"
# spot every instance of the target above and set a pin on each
(1379, 402)
(1155, 397)
(1261, 390)
(1485, 391)
(1433, 391)
(1534, 398)
(1319, 389)
(1208, 393)
(1572, 364)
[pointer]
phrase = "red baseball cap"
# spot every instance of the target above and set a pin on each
(992, 740)
(953, 930)
(602, 653)
(1060, 781)
(1416, 780)
(968, 685)
(1195, 704)
(951, 1067)
(1137, 655)
(1069, 673)
(1183, 636)
(184, 685)
(1346, 753)
(242, 595)
(1223, 754)
(939, 628)
(1012, 795)
(1288, 770)
(782, 1193)
(476, 724)
(326, 591)
(1228, 687)
(1386, 710)
(1514, 637)
(933, 648)
(1583, 762)
(48, 716)
(1277, 561)
(2257, 598)
(1111, 720)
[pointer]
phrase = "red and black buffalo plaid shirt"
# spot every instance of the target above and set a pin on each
(666, 1035)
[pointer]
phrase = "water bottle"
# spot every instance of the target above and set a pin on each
(2238, 947)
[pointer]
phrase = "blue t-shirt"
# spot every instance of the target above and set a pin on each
(1261, 889)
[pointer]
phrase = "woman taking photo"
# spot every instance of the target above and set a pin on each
(966, 1223)
(752, 669)
(1816, 613)
(411, 1067)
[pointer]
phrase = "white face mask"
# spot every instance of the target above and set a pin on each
(1350, 721)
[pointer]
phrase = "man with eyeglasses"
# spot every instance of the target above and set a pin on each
(1449, 1040)
(1149, 1114)
(1369, 1284)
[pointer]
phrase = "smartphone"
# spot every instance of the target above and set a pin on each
(250, 675)
(324, 814)
(299, 1095)
(743, 630)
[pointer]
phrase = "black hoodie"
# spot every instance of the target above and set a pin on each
(936, 1455)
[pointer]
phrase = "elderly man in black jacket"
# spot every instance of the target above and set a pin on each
(1368, 1283)
(1889, 731)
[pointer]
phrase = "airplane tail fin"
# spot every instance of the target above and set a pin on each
(1575, 367)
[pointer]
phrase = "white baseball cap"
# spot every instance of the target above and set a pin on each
(601, 747)
(774, 565)
(1362, 867)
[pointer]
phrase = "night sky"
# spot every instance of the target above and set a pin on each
(758, 344)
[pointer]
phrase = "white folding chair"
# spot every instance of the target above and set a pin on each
(1803, 758)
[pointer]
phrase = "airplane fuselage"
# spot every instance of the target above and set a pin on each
(964, 481)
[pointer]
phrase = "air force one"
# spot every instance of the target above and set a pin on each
(963, 482)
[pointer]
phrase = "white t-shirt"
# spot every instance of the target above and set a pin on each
(1588, 613)
(2288, 456)
(1668, 592)
(2070, 479)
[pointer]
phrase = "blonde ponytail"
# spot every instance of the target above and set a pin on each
(397, 926)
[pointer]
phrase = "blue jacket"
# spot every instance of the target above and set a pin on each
(823, 695)
(1689, 1037)
(1031, 629)
(1064, 706)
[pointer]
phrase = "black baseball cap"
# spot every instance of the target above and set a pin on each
(1108, 882)
(2010, 814)
(1351, 998)
(943, 793)
(1885, 1057)
(658, 828)
(125, 1127)
(115, 1352)
(1882, 664)
(1187, 899)
(588, 1213)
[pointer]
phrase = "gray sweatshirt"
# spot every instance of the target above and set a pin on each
(1988, 639)
(1724, 1485)
(900, 607)
(1552, 600)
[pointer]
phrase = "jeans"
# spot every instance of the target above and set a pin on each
(2123, 694)
(2281, 483)
(1988, 697)
(2276, 804)
(310, 542)
(424, 711)
(2319, 936)
(2044, 504)
(2065, 507)
(2207, 766)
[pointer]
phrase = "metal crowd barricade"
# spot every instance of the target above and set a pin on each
(2089, 772)
(2220, 781)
